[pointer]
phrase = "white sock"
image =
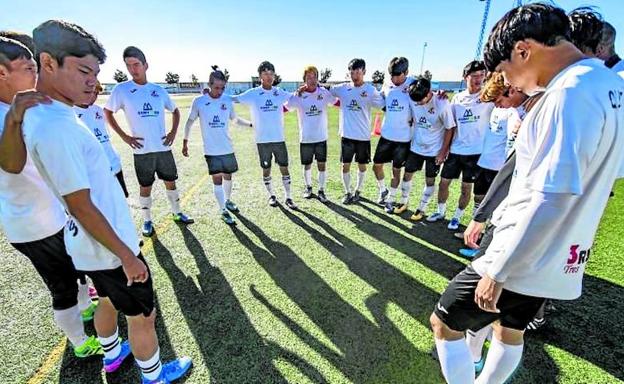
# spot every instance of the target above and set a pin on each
(391, 194)
(475, 341)
(84, 300)
(174, 201)
(322, 179)
(406, 188)
(70, 322)
(111, 345)
(219, 195)
(502, 360)
(346, 182)
(307, 177)
(455, 361)
(268, 184)
(146, 207)
(227, 188)
(458, 214)
(381, 185)
(152, 367)
(360, 180)
(426, 196)
(286, 183)
(442, 208)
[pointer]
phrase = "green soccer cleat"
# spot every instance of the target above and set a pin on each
(91, 347)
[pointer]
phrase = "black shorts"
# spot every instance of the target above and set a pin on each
(415, 163)
(311, 151)
(466, 165)
(361, 149)
(54, 265)
(137, 299)
(159, 163)
(388, 150)
(122, 182)
(221, 164)
(484, 180)
(266, 152)
(459, 312)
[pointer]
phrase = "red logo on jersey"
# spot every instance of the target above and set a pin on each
(576, 259)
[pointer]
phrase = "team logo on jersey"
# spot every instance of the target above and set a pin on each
(223, 107)
(313, 108)
(207, 104)
(354, 106)
(319, 97)
(216, 119)
(576, 259)
(97, 132)
(148, 110)
(147, 107)
(98, 116)
(395, 103)
(268, 103)
(616, 99)
(468, 113)
(133, 90)
(422, 120)
(468, 117)
(275, 93)
(154, 94)
(364, 94)
(431, 111)
(80, 115)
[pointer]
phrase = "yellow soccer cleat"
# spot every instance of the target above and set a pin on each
(400, 209)
(417, 216)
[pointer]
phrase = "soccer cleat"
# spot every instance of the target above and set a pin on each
(536, 324)
(479, 366)
(400, 209)
(382, 197)
(87, 314)
(468, 253)
(227, 218)
(182, 218)
(230, 206)
(90, 347)
(307, 192)
(417, 216)
(321, 196)
(111, 365)
(549, 307)
(389, 208)
(171, 371)
(347, 199)
(453, 224)
(148, 229)
(290, 204)
(459, 235)
(356, 197)
(435, 217)
(273, 201)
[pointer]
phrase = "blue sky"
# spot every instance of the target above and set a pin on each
(187, 36)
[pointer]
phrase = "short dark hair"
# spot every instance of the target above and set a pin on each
(419, 89)
(21, 37)
(12, 50)
(134, 52)
(266, 66)
(473, 66)
(585, 28)
(608, 36)
(544, 23)
(61, 39)
(216, 74)
(398, 66)
(356, 64)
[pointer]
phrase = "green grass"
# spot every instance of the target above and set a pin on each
(329, 294)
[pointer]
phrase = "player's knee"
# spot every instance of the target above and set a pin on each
(437, 326)
(506, 335)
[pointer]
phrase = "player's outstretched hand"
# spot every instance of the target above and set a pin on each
(487, 294)
(21, 102)
(135, 270)
(472, 233)
(133, 142)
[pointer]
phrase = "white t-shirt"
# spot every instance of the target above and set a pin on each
(93, 118)
(29, 211)
(267, 112)
(355, 109)
(494, 155)
(399, 113)
(312, 114)
(214, 119)
(144, 107)
(515, 120)
(69, 158)
(431, 120)
(560, 151)
(472, 118)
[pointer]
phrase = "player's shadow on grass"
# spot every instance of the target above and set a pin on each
(369, 349)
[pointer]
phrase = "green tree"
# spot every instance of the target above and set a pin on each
(172, 78)
(194, 79)
(119, 76)
(325, 75)
(427, 75)
(378, 77)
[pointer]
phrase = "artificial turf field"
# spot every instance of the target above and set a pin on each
(326, 294)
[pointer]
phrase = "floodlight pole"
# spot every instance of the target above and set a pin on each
(422, 60)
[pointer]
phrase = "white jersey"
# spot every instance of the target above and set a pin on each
(472, 118)
(494, 154)
(573, 155)
(70, 159)
(214, 119)
(93, 118)
(29, 211)
(144, 107)
(513, 126)
(312, 114)
(267, 112)
(399, 113)
(431, 120)
(355, 109)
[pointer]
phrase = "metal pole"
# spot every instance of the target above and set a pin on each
(422, 60)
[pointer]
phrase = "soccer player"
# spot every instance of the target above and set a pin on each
(472, 118)
(215, 110)
(356, 100)
(144, 106)
(99, 236)
(311, 102)
(396, 131)
(31, 217)
(566, 162)
(431, 139)
(267, 106)
(92, 116)
(586, 26)
(606, 49)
